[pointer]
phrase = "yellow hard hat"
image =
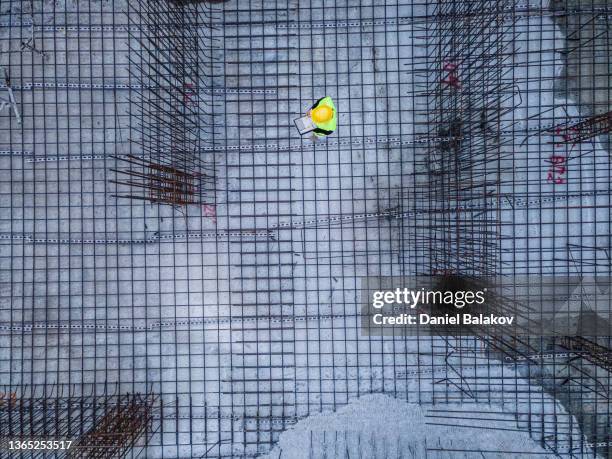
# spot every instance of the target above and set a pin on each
(322, 114)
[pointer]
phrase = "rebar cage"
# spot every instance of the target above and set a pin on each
(174, 253)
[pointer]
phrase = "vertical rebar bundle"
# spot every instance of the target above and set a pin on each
(469, 78)
(170, 107)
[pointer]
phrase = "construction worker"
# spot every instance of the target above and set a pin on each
(323, 115)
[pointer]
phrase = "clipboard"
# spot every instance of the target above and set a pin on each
(304, 125)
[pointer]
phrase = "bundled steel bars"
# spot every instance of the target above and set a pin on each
(591, 127)
(118, 429)
(96, 426)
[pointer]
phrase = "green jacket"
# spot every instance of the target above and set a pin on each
(329, 126)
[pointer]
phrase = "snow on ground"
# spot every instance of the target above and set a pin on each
(378, 426)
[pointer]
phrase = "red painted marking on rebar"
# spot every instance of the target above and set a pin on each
(210, 210)
(557, 169)
(452, 79)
